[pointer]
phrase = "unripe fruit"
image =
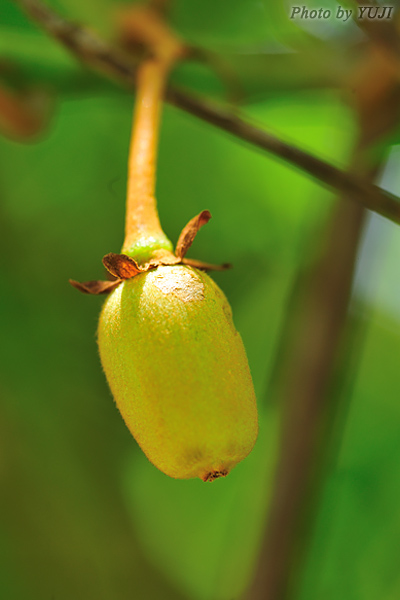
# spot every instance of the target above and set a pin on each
(178, 371)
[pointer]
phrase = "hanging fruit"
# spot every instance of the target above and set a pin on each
(173, 359)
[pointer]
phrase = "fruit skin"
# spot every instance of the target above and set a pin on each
(178, 371)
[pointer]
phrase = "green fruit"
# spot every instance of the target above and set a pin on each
(178, 371)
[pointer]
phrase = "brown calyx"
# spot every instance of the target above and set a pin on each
(122, 267)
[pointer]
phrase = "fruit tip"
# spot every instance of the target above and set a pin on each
(212, 475)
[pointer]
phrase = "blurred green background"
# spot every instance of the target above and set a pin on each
(83, 514)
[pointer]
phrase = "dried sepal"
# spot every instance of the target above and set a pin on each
(167, 260)
(95, 287)
(199, 264)
(121, 266)
(190, 231)
(124, 267)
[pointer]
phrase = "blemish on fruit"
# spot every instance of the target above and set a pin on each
(185, 284)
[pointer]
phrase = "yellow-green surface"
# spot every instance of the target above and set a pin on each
(178, 371)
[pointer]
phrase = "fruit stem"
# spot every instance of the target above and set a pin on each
(141, 210)
(143, 232)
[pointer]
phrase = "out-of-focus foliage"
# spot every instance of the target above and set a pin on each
(83, 513)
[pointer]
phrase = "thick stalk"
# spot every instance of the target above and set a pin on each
(143, 229)
(144, 238)
(317, 345)
(308, 375)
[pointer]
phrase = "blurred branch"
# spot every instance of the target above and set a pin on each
(224, 70)
(382, 32)
(262, 74)
(314, 348)
(112, 62)
(85, 45)
(255, 73)
(315, 352)
(23, 115)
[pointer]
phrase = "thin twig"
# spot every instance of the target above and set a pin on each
(360, 190)
(113, 63)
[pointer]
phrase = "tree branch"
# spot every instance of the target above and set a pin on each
(306, 396)
(317, 348)
(113, 63)
(382, 32)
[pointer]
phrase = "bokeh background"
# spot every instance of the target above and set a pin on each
(83, 513)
